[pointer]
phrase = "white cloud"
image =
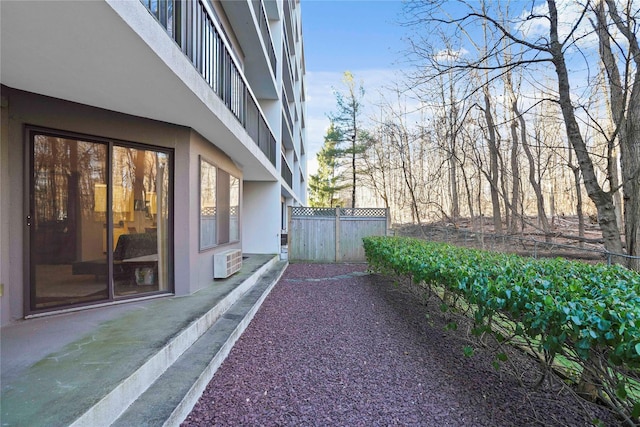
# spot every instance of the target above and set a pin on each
(569, 12)
(450, 55)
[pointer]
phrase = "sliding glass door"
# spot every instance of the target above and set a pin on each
(99, 220)
(65, 172)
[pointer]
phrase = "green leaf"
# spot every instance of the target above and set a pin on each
(638, 348)
(604, 325)
(636, 410)
(502, 357)
(468, 351)
(444, 307)
(621, 390)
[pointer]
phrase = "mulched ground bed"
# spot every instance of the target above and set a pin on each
(333, 346)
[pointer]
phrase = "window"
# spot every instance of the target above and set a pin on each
(219, 206)
(208, 200)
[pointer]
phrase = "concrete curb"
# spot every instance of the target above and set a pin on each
(115, 403)
(191, 398)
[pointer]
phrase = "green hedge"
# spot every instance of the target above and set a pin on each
(565, 306)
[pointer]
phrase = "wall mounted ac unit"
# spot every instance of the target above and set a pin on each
(226, 263)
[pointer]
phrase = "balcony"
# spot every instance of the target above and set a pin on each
(191, 25)
(287, 111)
(266, 36)
(251, 25)
(286, 173)
(288, 23)
(287, 79)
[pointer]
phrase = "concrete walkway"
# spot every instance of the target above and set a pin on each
(88, 367)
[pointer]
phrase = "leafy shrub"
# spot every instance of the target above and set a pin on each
(588, 314)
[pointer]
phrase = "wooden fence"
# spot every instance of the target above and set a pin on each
(333, 234)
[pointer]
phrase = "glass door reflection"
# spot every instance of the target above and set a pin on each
(68, 264)
(140, 185)
(99, 225)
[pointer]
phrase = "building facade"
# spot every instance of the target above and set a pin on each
(138, 140)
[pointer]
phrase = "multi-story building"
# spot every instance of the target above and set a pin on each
(138, 140)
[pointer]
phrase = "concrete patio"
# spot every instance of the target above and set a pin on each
(139, 363)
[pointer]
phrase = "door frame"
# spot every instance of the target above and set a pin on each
(29, 132)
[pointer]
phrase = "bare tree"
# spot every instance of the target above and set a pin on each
(519, 122)
(624, 92)
(554, 47)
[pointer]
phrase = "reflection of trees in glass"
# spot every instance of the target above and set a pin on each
(135, 181)
(208, 235)
(65, 172)
(234, 208)
(163, 179)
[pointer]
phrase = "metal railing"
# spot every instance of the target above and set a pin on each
(286, 173)
(287, 110)
(287, 77)
(266, 36)
(192, 25)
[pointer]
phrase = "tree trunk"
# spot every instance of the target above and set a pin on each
(602, 199)
(630, 156)
(535, 183)
(493, 163)
(515, 182)
(515, 169)
(453, 185)
(353, 170)
(405, 157)
(453, 177)
(627, 126)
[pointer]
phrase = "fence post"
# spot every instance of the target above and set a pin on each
(337, 239)
(387, 222)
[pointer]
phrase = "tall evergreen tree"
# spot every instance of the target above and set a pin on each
(347, 122)
(326, 184)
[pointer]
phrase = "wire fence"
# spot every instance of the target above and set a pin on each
(521, 245)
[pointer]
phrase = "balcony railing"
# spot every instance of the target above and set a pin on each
(266, 36)
(190, 23)
(286, 173)
(287, 110)
(288, 21)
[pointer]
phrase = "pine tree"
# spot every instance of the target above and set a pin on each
(326, 184)
(347, 121)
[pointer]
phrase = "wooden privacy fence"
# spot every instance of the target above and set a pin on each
(333, 234)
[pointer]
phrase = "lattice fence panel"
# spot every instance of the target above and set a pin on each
(208, 211)
(304, 211)
(364, 212)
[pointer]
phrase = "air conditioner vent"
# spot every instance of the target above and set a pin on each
(226, 263)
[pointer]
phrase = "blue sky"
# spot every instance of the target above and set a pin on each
(361, 36)
(348, 35)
